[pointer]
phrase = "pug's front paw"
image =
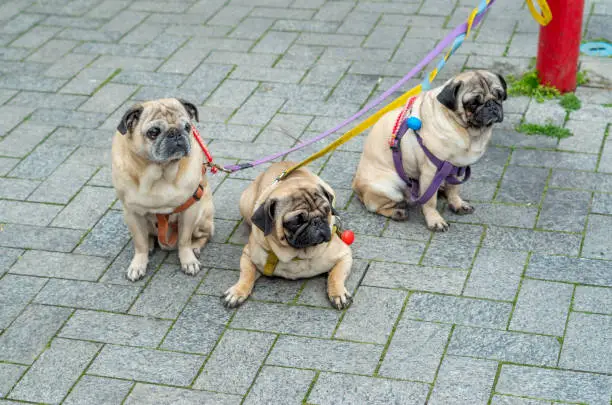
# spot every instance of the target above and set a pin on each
(234, 296)
(138, 267)
(463, 208)
(436, 223)
(189, 262)
(341, 302)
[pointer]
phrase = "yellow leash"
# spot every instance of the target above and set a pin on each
(397, 103)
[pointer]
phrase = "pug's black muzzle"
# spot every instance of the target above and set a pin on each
(176, 142)
(312, 233)
(488, 114)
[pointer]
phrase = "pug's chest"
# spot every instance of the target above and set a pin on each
(296, 268)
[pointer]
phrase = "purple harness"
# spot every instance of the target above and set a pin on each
(446, 171)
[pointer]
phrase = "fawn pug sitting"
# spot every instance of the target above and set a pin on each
(292, 234)
(456, 122)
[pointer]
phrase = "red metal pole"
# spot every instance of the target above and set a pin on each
(559, 45)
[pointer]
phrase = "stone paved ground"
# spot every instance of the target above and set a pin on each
(512, 306)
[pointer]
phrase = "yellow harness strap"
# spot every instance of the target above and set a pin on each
(272, 259)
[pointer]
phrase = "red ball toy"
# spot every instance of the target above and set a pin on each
(348, 237)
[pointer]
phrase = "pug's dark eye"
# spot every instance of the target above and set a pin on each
(188, 127)
(296, 221)
(153, 133)
(472, 104)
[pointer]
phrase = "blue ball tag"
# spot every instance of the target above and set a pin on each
(413, 123)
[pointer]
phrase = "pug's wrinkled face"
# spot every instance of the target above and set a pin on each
(301, 219)
(475, 98)
(160, 130)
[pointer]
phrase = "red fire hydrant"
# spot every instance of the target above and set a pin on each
(559, 45)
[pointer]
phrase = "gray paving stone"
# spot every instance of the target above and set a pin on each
(116, 273)
(149, 78)
(69, 65)
(107, 238)
(511, 400)
(558, 385)
(496, 274)
(87, 80)
(61, 185)
(146, 394)
(86, 208)
(396, 250)
(286, 319)
(352, 389)
(237, 350)
(30, 332)
(455, 253)
(538, 241)
(597, 242)
(6, 164)
(372, 316)
(43, 160)
(412, 277)
(36, 237)
(274, 289)
(232, 93)
(462, 311)
(107, 327)
(166, 294)
(587, 136)
(9, 374)
(501, 214)
(542, 307)
(585, 345)
(199, 326)
(573, 270)
(522, 185)
(81, 294)
(52, 51)
(65, 359)
(146, 365)
(326, 355)
(90, 390)
(8, 257)
(62, 265)
(415, 350)
(11, 116)
(504, 346)
(224, 256)
(509, 137)
(592, 299)
(276, 384)
(463, 381)
(108, 98)
(70, 118)
(38, 100)
(15, 293)
(564, 210)
(314, 291)
(207, 77)
(581, 180)
(19, 212)
(557, 160)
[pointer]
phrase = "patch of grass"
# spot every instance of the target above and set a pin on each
(570, 102)
(582, 77)
(547, 130)
(608, 105)
(529, 85)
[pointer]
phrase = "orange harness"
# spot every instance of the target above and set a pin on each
(163, 225)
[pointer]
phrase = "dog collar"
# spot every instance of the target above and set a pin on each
(445, 171)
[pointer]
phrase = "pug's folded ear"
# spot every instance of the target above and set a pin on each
(448, 95)
(263, 217)
(192, 110)
(130, 119)
(504, 86)
(330, 196)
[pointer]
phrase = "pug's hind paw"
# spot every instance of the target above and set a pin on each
(400, 211)
(462, 209)
(234, 297)
(342, 301)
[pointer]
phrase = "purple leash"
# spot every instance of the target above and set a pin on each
(430, 56)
